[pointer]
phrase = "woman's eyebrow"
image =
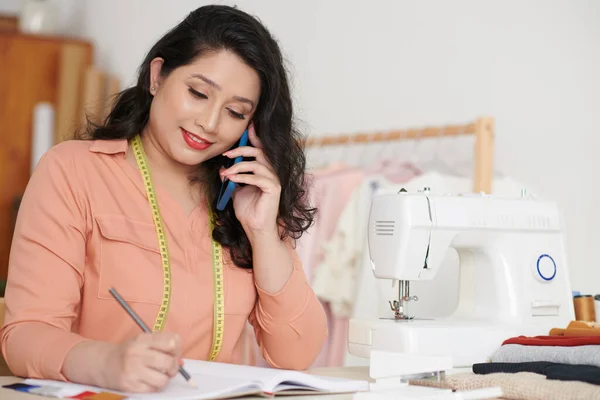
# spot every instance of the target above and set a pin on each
(218, 87)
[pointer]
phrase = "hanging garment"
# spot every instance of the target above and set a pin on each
(329, 190)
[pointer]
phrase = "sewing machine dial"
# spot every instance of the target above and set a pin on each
(544, 268)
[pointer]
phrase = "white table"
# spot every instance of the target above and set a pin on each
(345, 372)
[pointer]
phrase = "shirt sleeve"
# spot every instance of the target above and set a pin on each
(45, 275)
(290, 325)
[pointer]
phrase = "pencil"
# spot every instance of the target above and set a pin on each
(145, 328)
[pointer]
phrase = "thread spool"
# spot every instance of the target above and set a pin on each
(597, 305)
(584, 308)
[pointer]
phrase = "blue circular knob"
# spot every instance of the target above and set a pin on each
(546, 267)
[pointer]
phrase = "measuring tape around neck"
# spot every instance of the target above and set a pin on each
(217, 258)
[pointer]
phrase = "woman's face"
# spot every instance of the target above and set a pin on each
(200, 110)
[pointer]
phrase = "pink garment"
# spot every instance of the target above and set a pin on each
(338, 341)
(329, 190)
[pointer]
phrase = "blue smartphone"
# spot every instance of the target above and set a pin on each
(227, 187)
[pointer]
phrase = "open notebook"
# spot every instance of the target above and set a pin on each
(221, 381)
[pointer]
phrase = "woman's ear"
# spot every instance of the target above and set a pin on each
(155, 68)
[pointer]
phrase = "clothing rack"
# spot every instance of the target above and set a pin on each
(482, 128)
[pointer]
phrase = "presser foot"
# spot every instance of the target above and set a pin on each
(399, 313)
(399, 306)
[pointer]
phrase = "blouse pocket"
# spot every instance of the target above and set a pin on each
(130, 260)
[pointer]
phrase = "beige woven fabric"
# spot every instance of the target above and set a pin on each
(519, 386)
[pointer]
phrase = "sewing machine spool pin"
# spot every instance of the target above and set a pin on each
(400, 306)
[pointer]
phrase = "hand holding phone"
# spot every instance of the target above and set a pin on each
(227, 187)
(257, 200)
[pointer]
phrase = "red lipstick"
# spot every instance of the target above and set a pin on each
(194, 141)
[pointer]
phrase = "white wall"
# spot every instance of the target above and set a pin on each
(70, 13)
(11, 7)
(365, 65)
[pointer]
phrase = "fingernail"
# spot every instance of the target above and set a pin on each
(181, 362)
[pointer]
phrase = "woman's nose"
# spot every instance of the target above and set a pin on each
(208, 120)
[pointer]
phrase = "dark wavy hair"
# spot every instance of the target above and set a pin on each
(215, 28)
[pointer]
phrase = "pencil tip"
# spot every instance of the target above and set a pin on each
(192, 383)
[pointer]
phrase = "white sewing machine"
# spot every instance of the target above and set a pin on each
(513, 278)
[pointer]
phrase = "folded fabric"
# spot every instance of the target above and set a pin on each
(574, 355)
(553, 340)
(537, 367)
(518, 386)
(578, 328)
(582, 373)
(555, 371)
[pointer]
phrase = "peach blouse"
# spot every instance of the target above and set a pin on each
(84, 226)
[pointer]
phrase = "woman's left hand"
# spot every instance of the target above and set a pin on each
(256, 205)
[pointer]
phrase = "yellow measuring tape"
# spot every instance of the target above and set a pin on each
(217, 258)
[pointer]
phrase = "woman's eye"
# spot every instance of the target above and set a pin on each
(197, 94)
(237, 115)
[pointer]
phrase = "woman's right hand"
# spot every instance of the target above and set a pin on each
(144, 364)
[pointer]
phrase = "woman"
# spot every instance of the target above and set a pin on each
(86, 223)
